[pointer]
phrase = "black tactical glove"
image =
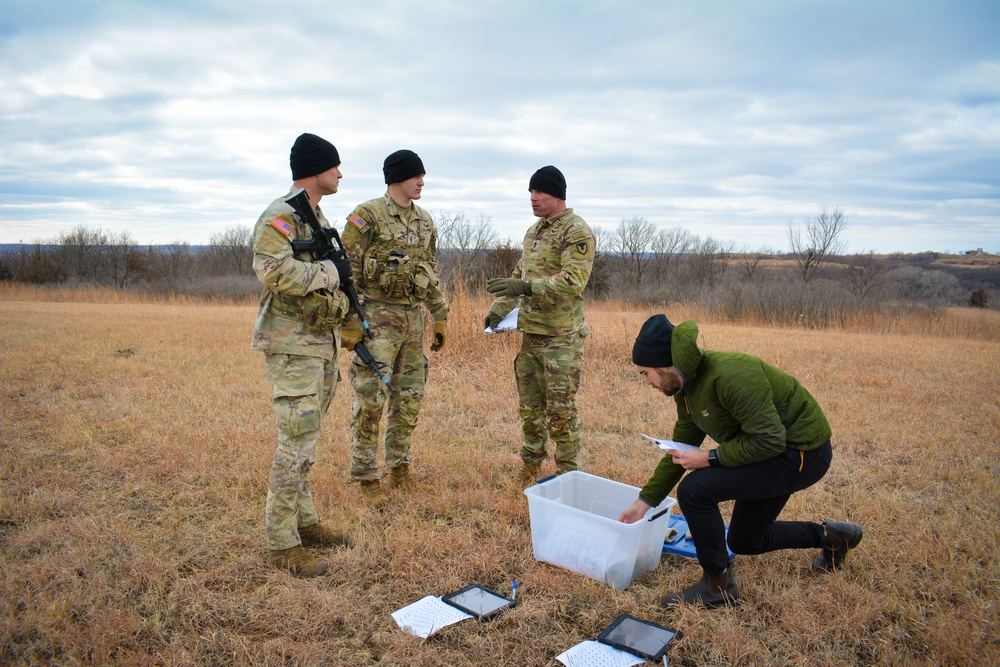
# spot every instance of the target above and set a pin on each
(343, 270)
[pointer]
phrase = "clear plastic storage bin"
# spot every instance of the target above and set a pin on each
(574, 524)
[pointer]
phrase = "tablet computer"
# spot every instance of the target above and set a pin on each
(482, 603)
(642, 638)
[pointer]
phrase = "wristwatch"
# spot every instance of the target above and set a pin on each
(713, 458)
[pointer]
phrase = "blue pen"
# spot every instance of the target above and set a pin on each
(513, 590)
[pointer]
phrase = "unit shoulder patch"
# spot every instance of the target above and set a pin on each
(582, 247)
(282, 225)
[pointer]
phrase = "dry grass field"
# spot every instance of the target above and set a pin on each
(135, 441)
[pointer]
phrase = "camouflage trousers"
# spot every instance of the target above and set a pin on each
(301, 391)
(548, 370)
(397, 341)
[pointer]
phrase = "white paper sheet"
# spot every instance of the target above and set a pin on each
(596, 654)
(508, 323)
(669, 444)
(427, 615)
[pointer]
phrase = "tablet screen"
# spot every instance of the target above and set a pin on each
(478, 601)
(647, 640)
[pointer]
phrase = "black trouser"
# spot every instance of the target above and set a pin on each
(760, 491)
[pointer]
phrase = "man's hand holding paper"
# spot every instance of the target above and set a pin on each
(690, 459)
(687, 456)
(669, 444)
(508, 323)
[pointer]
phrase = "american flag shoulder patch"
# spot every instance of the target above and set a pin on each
(282, 225)
(357, 220)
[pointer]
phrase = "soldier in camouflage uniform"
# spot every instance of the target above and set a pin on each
(548, 284)
(297, 329)
(392, 244)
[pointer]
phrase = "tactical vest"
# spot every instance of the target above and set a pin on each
(395, 266)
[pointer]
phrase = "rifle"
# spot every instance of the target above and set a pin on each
(321, 247)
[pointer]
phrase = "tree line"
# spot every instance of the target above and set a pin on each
(87, 256)
(812, 281)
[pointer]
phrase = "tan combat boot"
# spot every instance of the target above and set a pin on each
(528, 474)
(399, 478)
(298, 562)
(373, 493)
(318, 535)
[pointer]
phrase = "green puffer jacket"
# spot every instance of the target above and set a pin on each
(751, 409)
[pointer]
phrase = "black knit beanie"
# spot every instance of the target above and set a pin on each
(401, 166)
(550, 181)
(312, 155)
(652, 345)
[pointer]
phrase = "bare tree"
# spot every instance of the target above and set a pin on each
(708, 260)
(501, 260)
(457, 232)
(172, 261)
(82, 251)
(600, 272)
(902, 282)
(602, 240)
(822, 241)
(6, 270)
(748, 261)
(865, 276)
(126, 265)
(667, 246)
(38, 266)
(934, 288)
(939, 289)
(467, 242)
(633, 240)
(234, 248)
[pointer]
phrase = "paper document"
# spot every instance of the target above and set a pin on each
(427, 615)
(669, 444)
(596, 654)
(508, 323)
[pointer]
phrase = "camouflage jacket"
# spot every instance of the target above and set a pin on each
(287, 278)
(393, 253)
(557, 259)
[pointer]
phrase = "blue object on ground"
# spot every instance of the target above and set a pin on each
(683, 546)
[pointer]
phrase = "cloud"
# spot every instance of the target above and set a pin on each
(174, 120)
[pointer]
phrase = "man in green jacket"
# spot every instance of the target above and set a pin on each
(773, 440)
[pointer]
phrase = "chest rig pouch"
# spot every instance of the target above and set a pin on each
(394, 273)
(401, 272)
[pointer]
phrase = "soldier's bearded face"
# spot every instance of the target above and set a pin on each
(666, 380)
(670, 381)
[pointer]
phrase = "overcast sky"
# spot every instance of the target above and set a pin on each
(173, 120)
